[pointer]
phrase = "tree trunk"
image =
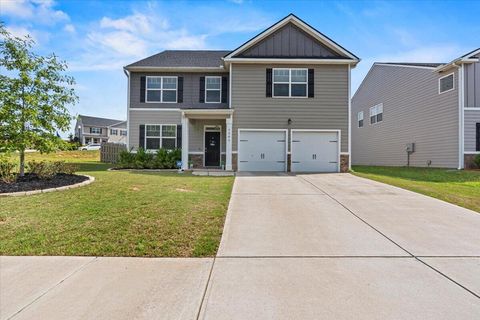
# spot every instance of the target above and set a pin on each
(22, 162)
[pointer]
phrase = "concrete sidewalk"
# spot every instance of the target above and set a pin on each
(322, 246)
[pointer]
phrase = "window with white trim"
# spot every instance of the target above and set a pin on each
(290, 83)
(123, 132)
(160, 136)
(360, 119)
(446, 83)
(213, 89)
(95, 130)
(161, 89)
(376, 114)
(113, 132)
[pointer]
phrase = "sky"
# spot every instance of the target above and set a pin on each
(98, 38)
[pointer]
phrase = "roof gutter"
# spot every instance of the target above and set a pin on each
(176, 69)
(352, 62)
(456, 63)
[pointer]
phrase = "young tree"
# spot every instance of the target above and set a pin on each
(34, 95)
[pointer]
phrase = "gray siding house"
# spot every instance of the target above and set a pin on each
(95, 130)
(279, 102)
(433, 108)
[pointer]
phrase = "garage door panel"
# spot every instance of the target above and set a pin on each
(262, 150)
(314, 151)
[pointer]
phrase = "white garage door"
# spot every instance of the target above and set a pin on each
(262, 150)
(315, 151)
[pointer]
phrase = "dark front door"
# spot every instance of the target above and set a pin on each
(212, 149)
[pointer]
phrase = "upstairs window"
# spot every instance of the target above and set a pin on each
(360, 119)
(376, 114)
(213, 89)
(290, 82)
(161, 89)
(446, 83)
(160, 136)
(113, 132)
(95, 130)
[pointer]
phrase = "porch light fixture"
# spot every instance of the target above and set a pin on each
(289, 121)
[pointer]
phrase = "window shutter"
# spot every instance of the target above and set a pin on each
(478, 137)
(311, 83)
(179, 136)
(141, 141)
(202, 90)
(268, 83)
(90, 129)
(101, 130)
(142, 88)
(180, 90)
(224, 89)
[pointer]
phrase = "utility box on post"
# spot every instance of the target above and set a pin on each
(410, 147)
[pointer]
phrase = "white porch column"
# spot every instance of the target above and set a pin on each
(185, 124)
(228, 153)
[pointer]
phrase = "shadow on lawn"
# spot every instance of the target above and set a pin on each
(93, 166)
(422, 174)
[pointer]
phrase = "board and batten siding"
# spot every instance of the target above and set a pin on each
(253, 110)
(139, 117)
(413, 111)
(472, 85)
(472, 117)
(191, 91)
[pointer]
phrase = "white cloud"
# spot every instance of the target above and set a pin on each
(120, 42)
(41, 11)
(137, 23)
(70, 28)
(187, 42)
(21, 32)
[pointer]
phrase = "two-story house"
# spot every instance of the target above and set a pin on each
(434, 108)
(94, 130)
(278, 102)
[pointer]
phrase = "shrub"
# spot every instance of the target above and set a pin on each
(476, 160)
(163, 159)
(8, 171)
(47, 170)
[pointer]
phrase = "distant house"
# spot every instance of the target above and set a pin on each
(100, 130)
(434, 106)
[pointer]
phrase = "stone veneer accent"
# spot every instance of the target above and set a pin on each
(468, 160)
(344, 162)
(197, 160)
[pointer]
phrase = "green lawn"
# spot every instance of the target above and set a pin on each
(123, 213)
(458, 187)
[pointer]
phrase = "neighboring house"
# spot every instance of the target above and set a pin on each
(100, 130)
(278, 102)
(435, 106)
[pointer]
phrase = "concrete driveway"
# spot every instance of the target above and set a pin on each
(322, 246)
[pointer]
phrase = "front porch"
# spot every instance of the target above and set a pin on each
(207, 139)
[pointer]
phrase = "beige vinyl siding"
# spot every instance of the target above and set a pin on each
(196, 134)
(472, 117)
(191, 91)
(86, 131)
(413, 111)
(327, 110)
(138, 117)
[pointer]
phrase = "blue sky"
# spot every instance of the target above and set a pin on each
(97, 38)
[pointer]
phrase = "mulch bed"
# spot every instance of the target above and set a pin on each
(31, 182)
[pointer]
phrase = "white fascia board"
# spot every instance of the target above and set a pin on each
(207, 111)
(402, 66)
(176, 69)
(317, 35)
(291, 61)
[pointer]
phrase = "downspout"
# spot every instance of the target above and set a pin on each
(127, 73)
(349, 118)
(461, 112)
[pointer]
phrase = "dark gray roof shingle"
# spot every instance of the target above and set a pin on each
(183, 58)
(98, 122)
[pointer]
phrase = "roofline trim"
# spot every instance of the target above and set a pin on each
(169, 69)
(301, 24)
(467, 58)
(402, 65)
(291, 61)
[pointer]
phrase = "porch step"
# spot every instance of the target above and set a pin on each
(213, 173)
